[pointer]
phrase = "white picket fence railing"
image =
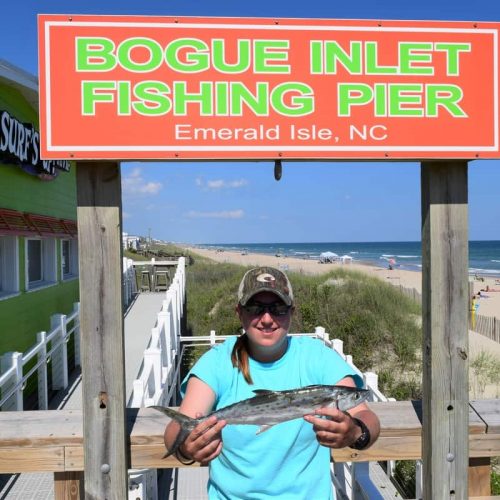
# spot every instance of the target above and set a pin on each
(129, 282)
(49, 346)
(158, 382)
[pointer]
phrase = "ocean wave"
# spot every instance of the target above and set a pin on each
(408, 256)
(493, 260)
(477, 270)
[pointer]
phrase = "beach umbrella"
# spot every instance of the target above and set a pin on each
(328, 257)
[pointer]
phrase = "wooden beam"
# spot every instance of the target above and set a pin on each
(68, 486)
(101, 326)
(445, 447)
(36, 441)
(480, 477)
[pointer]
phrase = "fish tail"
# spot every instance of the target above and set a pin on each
(187, 425)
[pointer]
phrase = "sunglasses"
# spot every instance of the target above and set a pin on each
(276, 309)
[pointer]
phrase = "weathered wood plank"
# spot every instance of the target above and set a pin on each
(489, 412)
(26, 459)
(73, 456)
(40, 428)
(34, 448)
(484, 445)
(445, 328)
(101, 325)
(390, 413)
(68, 486)
(479, 476)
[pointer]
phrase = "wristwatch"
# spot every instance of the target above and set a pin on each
(362, 442)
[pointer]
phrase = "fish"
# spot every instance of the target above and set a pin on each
(268, 408)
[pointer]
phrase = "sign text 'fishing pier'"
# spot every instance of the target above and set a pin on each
(156, 87)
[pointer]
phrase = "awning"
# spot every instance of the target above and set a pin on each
(28, 224)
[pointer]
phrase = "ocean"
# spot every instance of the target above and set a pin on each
(484, 256)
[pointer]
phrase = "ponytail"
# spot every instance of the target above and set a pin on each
(239, 357)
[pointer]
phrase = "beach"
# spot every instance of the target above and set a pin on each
(489, 304)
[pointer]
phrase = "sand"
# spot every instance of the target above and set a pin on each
(489, 304)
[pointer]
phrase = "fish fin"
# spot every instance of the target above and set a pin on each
(263, 392)
(186, 423)
(264, 428)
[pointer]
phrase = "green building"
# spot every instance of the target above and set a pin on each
(38, 232)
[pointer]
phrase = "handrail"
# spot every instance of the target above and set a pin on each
(159, 373)
(13, 380)
(64, 326)
(53, 440)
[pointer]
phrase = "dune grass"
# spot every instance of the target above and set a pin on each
(377, 324)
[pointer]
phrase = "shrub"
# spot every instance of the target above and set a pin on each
(373, 319)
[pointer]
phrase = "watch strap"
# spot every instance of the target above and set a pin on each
(364, 440)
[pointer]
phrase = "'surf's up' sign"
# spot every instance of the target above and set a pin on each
(155, 87)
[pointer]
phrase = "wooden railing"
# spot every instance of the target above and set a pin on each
(52, 441)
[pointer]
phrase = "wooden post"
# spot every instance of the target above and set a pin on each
(101, 328)
(68, 485)
(479, 477)
(445, 447)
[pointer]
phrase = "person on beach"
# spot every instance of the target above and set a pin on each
(290, 460)
(474, 309)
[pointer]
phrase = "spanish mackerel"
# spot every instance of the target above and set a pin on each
(268, 408)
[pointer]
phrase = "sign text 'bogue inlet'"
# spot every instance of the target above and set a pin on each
(219, 88)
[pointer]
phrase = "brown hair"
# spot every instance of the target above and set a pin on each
(239, 357)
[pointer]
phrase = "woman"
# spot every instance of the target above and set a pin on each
(290, 460)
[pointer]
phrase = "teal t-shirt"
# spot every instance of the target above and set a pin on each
(285, 462)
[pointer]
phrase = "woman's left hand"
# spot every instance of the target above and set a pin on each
(338, 430)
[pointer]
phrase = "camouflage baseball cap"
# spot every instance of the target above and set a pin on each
(265, 279)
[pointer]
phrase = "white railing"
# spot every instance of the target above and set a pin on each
(158, 381)
(51, 346)
(129, 282)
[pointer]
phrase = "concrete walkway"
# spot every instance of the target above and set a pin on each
(140, 318)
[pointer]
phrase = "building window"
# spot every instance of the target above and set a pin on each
(69, 259)
(9, 266)
(40, 262)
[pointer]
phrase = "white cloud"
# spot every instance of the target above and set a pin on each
(220, 184)
(134, 184)
(228, 214)
(126, 215)
(215, 184)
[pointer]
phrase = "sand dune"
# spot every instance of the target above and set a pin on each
(489, 304)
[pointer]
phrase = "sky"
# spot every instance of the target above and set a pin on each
(241, 202)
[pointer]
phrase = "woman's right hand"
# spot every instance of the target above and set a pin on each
(204, 443)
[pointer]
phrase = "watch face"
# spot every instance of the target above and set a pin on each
(362, 441)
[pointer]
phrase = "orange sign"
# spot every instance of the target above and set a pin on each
(187, 88)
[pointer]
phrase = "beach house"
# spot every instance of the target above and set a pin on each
(38, 231)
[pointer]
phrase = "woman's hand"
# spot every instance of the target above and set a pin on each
(338, 430)
(205, 441)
